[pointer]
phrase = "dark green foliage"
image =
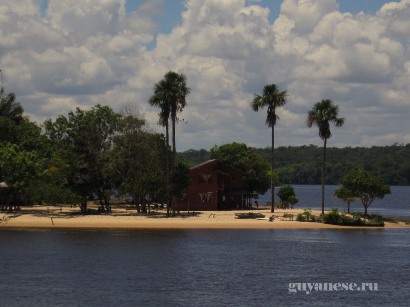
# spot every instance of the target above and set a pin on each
(334, 217)
(180, 177)
(306, 216)
(84, 139)
(195, 157)
(346, 195)
(9, 107)
(301, 164)
(365, 186)
(139, 161)
(287, 196)
(256, 169)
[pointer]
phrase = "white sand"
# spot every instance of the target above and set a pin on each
(52, 217)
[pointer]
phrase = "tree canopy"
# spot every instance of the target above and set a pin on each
(287, 196)
(364, 185)
(240, 156)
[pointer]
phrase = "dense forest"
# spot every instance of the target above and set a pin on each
(302, 164)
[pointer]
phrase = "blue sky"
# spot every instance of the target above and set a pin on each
(56, 55)
(171, 9)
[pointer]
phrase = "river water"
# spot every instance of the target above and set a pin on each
(212, 267)
(396, 204)
(204, 267)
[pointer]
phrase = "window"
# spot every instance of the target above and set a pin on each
(205, 197)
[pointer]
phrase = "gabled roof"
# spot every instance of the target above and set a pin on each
(204, 163)
(220, 166)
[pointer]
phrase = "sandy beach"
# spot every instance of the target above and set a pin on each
(65, 217)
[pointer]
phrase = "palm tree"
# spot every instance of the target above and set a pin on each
(9, 107)
(179, 91)
(170, 96)
(159, 99)
(271, 98)
(322, 114)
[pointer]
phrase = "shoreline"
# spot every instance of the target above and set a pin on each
(37, 218)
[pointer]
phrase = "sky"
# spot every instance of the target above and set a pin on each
(56, 55)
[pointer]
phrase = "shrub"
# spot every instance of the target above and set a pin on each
(300, 217)
(334, 217)
(306, 216)
(376, 220)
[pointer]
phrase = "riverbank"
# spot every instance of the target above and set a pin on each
(63, 217)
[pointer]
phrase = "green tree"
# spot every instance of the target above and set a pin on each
(85, 142)
(365, 185)
(346, 195)
(287, 196)
(18, 168)
(254, 167)
(271, 98)
(11, 115)
(322, 115)
(170, 96)
(139, 160)
(9, 107)
(180, 179)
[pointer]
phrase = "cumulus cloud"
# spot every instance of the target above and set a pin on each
(80, 53)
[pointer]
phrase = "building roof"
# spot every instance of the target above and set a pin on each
(204, 163)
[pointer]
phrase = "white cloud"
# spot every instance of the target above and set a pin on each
(80, 53)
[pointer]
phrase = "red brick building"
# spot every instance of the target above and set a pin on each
(214, 186)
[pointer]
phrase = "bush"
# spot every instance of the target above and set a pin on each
(300, 218)
(306, 216)
(334, 217)
(376, 220)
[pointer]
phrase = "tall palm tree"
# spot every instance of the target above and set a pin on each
(271, 98)
(170, 96)
(322, 115)
(9, 107)
(160, 99)
(179, 90)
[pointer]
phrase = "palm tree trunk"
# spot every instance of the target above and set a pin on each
(174, 150)
(323, 176)
(272, 179)
(174, 155)
(167, 166)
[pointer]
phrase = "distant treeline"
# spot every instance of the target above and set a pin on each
(302, 164)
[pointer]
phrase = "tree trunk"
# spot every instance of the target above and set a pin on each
(323, 176)
(174, 155)
(174, 149)
(167, 166)
(348, 207)
(83, 205)
(272, 179)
